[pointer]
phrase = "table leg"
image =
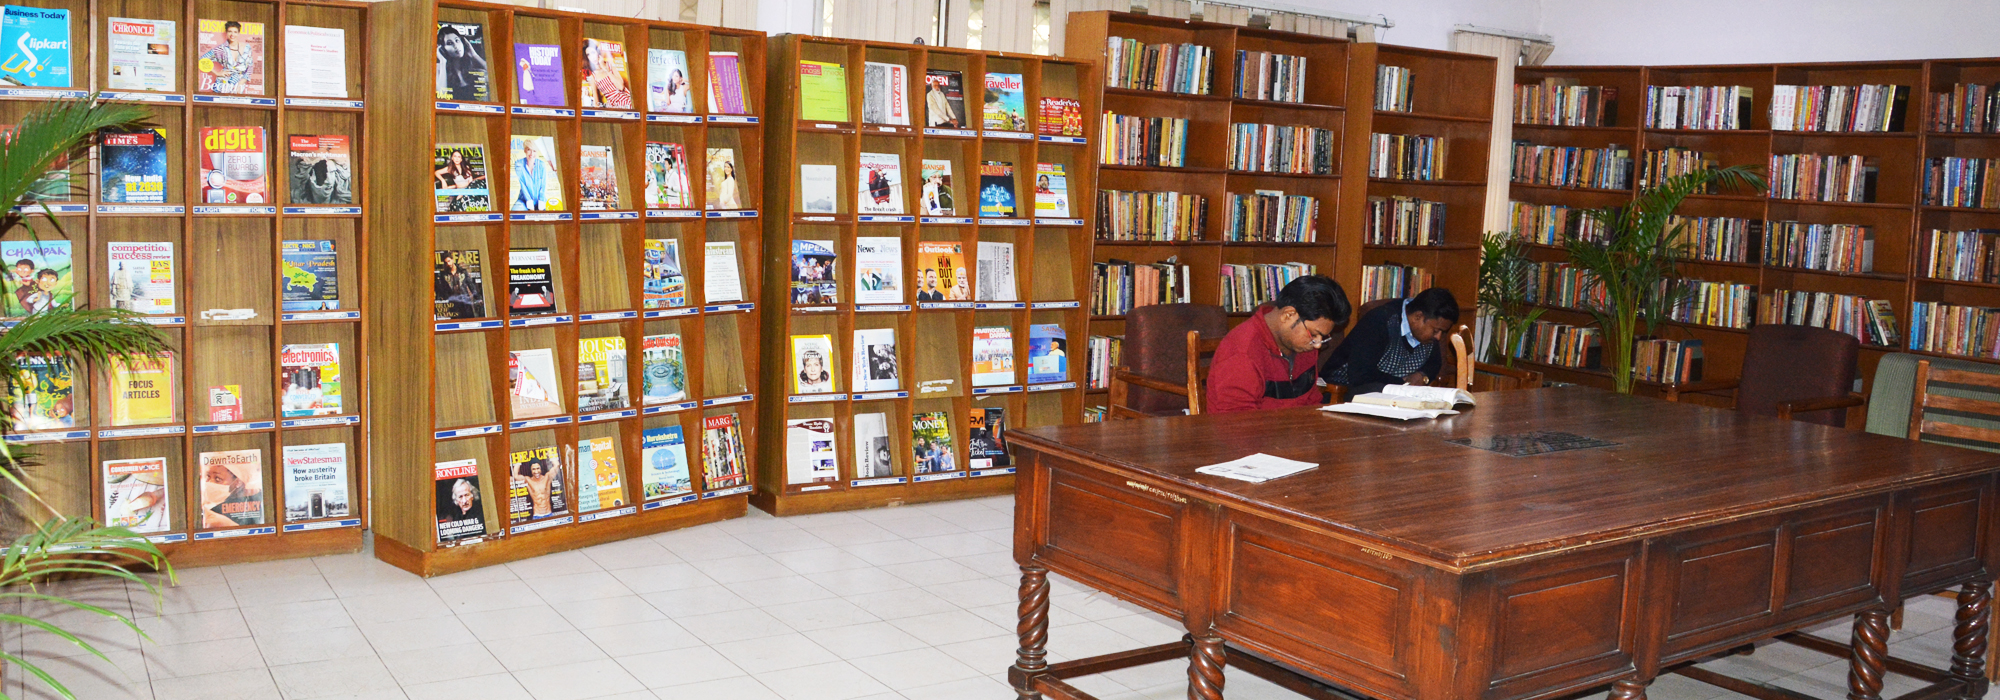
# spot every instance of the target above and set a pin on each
(1205, 663)
(1032, 657)
(1870, 654)
(1630, 689)
(1969, 638)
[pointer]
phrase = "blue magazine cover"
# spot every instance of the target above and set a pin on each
(311, 276)
(663, 454)
(135, 166)
(1048, 353)
(35, 41)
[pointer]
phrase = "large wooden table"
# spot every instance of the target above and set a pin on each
(1406, 567)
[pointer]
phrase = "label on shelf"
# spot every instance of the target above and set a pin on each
(236, 100)
(814, 309)
(670, 313)
(921, 478)
(608, 316)
(821, 487)
(51, 436)
(727, 492)
(877, 395)
(999, 304)
(53, 207)
(669, 408)
(672, 214)
(537, 321)
(141, 209)
(322, 211)
(461, 543)
(998, 221)
(465, 432)
(539, 216)
(544, 111)
(996, 390)
(540, 525)
(139, 432)
(824, 125)
(1001, 471)
(234, 427)
(815, 398)
(968, 133)
(321, 102)
(733, 214)
(1059, 222)
(466, 325)
(228, 314)
(466, 218)
(605, 514)
(321, 421)
(1056, 305)
(889, 129)
(608, 415)
(731, 119)
(945, 305)
(727, 308)
(674, 118)
(885, 219)
(1079, 140)
(169, 538)
(164, 320)
(42, 93)
(246, 532)
(1015, 135)
(142, 97)
(237, 209)
(469, 107)
(1051, 387)
(609, 215)
(538, 423)
(947, 220)
(726, 400)
(816, 219)
(320, 315)
(879, 481)
(674, 501)
(323, 525)
(870, 308)
(610, 114)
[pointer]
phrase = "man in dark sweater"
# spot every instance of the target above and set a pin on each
(1396, 343)
(1269, 360)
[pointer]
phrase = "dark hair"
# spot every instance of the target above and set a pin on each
(1315, 297)
(232, 24)
(1436, 302)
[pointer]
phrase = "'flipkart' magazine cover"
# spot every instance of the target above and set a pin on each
(603, 77)
(536, 184)
(230, 57)
(461, 62)
(458, 176)
(233, 165)
(38, 276)
(42, 394)
(35, 41)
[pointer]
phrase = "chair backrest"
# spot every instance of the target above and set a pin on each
(1924, 400)
(1460, 370)
(1893, 385)
(1200, 355)
(1793, 363)
(1156, 346)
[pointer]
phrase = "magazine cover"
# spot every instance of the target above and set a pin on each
(664, 463)
(232, 488)
(458, 176)
(315, 61)
(233, 165)
(53, 186)
(722, 192)
(458, 291)
(311, 374)
(1060, 116)
(1051, 191)
(600, 178)
(992, 356)
(225, 403)
(875, 360)
(812, 364)
(531, 380)
(722, 456)
(881, 183)
(725, 84)
(822, 91)
(598, 483)
(667, 176)
(530, 286)
(42, 394)
(135, 166)
(942, 266)
(461, 62)
(321, 171)
(873, 453)
(665, 284)
(140, 54)
(937, 193)
(986, 439)
(142, 390)
(810, 456)
(315, 481)
(135, 494)
(996, 189)
(944, 99)
(35, 41)
(535, 486)
(818, 187)
(39, 277)
(1005, 108)
(535, 183)
(538, 75)
(230, 57)
(930, 443)
(141, 276)
(602, 77)
(600, 374)
(460, 514)
(885, 95)
(721, 280)
(995, 267)
(1048, 353)
(667, 81)
(813, 265)
(310, 275)
(878, 270)
(666, 369)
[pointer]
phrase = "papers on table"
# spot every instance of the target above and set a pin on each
(1433, 393)
(1257, 468)
(1379, 411)
(1404, 402)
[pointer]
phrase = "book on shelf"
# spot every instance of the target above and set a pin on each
(936, 197)
(1830, 247)
(725, 84)
(136, 496)
(667, 176)
(1051, 191)
(1246, 287)
(944, 99)
(1667, 361)
(1048, 353)
(878, 270)
(461, 516)
(724, 462)
(812, 364)
(873, 456)
(1714, 107)
(885, 94)
(1855, 108)
(810, 456)
(1882, 318)
(232, 165)
(42, 393)
(942, 265)
(663, 463)
(315, 481)
(1150, 216)
(538, 75)
(1847, 313)
(1966, 108)
(1657, 165)
(1005, 107)
(1060, 116)
(822, 91)
(1105, 352)
(142, 390)
(534, 181)
(458, 178)
(141, 276)
(1562, 345)
(600, 374)
(813, 266)
(133, 166)
(1393, 281)
(1608, 168)
(1952, 181)
(1392, 89)
(600, 482)
(461, 70)
(40, 276)
(1965, 256)
(875, 366)
(720, 277)
(1555, 224)
(1562, 102)
(665, 285)
(140, 54)
(310, 274)
(986, 439)
(992, 356)
(310, 374)
(1950, 329)
(457, 289)
(531, 383)
(881, 184)
(819, 188)
(1276, 148)
(321, 172)
(1398, 220)
(530, 282)
(36, 43)
(994, 272)
(603, 81)
(931, 447)
(1275, 77)
(229, 57)
(1118, 286)
(1145, 141)
(232, 488)
(1406, 157)
(535, 489)
(598, 176)
(996, 189)
(1820, 177)
(667, 87)
(225, 403)
(315, 61)
(1272, 216)
(722, 182)
(1135, 65)
(665, 367)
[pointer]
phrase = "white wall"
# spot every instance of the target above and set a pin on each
(1427, 23)
(1649, 32)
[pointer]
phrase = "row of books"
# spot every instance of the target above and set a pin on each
(1819, 177)
(1272, 77)
(1150, 216)
(236, 170)
(1392, 88)
(1271, 216)
(1561, 345)
(1398, 220)
(144, 54)
(877, 367)
(1962, 182)
(1149, 141)
(459, 287)
(1715, 238)
(1135, 65)
(1105, 353)
(1554, 224)
(1720, 304)
(1830, 247)
(462, 73)
(811, 455)
(1973, 331)
(1656, 166)
(315, 481)
(1967, 108)
(1853, 108)
(941, 273)
(1666, 361)
(1245, 287)
(1557, 102)
(1872, 321)
(1562, 284)
(1570, 166)
(141, 276)
(1272, 148)
(1393, 281)
(1118, 286)
(1406, 157)
(460, 182)
(1716, 107)
(1966, 256)
(145, 390)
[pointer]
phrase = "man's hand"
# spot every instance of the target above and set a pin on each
(1417, 379)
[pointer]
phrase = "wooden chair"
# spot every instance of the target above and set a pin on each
(1922, 400)
(1154, 375)
(1789, 370)
(1468, 374)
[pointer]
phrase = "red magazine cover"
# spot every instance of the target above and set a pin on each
(1060, 116)
(233, 165)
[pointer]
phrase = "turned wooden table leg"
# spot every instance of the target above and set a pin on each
(1629, 689)
(1205, 663)
(1870, 653)
(1969, 638)
(1032, 658)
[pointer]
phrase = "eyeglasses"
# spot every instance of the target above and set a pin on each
(1318, 338)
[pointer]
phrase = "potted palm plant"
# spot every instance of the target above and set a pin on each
(43, 543)
(1504, 273)
(1625, 275)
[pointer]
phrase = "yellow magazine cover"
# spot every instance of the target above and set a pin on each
(599, 484)
(142, 391)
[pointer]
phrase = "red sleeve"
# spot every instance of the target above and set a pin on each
(1233, 382)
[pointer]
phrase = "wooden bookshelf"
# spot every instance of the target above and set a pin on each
(449, 387)
(225, 257)
(933, 339)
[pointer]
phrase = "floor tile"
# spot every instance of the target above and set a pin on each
(578, 681)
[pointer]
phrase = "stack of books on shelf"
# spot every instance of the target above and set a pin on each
(1659, 164)
(1562, 345)
(1398, 220)
(1271, 216)
(1271, 148)
(1559, 102)
(1406, 157)
(1148, 141)
(1182, 68)
(1873, 321)
(1965, 256)
(1718, 107)
(1118, 286)
(1829, 247)
(1554, 224)
(1561, 284)
(1818, 177)
(1714, 238)
(1272, 77)
(1857, 108)
(1664, 361)
(1104, 355)
(1392, 88)
(1245, 287)
(1973, 331)
(1607, 168)
(1969, 108)
(1720, 304)
(1962, 182)
(1150, 216)
(1393, 281)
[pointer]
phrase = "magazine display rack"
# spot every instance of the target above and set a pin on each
(819, 194)
(217, 285)
(466, 382)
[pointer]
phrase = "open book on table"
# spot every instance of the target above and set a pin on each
(1405, 402)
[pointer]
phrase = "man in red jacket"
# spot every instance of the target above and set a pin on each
(1271, 360)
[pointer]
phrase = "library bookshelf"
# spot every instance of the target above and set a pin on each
(449, 387)
(933, 339)
(227, 325)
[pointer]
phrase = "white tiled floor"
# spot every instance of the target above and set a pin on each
(913, 603)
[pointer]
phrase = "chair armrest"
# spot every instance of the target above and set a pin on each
(1824, 403)
(1136, 379)
(1674, 391)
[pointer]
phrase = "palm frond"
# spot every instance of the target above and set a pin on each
(94, 335)
(58, 129)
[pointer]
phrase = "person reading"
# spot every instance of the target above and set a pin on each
(1271, 360)
(1396, 343)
